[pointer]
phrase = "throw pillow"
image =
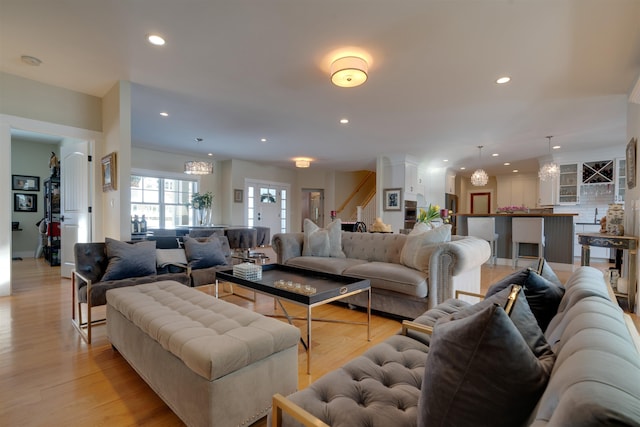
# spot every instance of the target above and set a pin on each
(204, 254)
(542, 295)
(322, 242)
(481, 372)
(477, 357)
(545, 270)
(170, 256)
(419, 246)
(128, 260)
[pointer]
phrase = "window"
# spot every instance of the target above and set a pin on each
(162, 201)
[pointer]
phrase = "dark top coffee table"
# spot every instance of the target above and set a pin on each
(328, 288)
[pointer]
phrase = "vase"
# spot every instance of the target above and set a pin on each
(615, 220)
(203, 216)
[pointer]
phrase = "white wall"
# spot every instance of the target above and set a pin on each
(632, 196)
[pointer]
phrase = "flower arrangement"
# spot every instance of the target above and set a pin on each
(510, 209)
(432, 213)
(201, 201)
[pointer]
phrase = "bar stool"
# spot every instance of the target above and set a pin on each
(485, 229)
(526, 230)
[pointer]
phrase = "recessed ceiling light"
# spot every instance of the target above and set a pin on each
(507, 164)
(31, 60)
(445, 160)
(344, 121)
(462, 168)
(198, 139)
(495, 154)
(503, 80)
(515, 171)
(556, 147)
(155, 39)
(164, 114)
(263, 139)
(209, 154)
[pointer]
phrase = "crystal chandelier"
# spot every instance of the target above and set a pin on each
(549, 170)
(479, 178)
(198, 168)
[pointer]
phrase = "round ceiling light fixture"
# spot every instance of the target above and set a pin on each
(349, 71)
(31, 60)
(155, 39)
(302, 162)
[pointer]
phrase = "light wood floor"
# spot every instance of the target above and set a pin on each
(50, 377)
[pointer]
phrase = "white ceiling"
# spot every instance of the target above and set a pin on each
(233, 72)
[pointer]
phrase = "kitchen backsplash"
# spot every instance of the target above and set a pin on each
(591, 198)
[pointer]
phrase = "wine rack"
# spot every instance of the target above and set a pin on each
(597, 172)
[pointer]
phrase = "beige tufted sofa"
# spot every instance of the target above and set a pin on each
(395, 288)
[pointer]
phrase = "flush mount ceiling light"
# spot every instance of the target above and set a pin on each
(302, 163)
(31, 60)
(155, 39)
(349, 71)
(195, 167)
(479, 178)
(549, 170)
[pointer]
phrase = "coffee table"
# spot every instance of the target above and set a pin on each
(328, 288)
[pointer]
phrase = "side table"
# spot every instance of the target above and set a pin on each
(628, 243)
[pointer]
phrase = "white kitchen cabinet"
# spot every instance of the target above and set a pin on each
(411, 178)
(547, 192)
(518, 190)
(569, 184)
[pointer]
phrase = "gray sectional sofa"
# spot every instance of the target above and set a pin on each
(396, 288)
(589, 356)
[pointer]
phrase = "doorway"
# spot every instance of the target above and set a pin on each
(268, 205)
(480, 203)
(312, 206)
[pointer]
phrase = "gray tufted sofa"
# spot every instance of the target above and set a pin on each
(91, 262)
(395, 288)
(595, 379)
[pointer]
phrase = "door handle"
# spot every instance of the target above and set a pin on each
(62, 218)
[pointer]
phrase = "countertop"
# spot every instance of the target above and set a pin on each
(534, 215)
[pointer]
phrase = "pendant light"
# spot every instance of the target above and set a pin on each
(479, 178)
(549, 170)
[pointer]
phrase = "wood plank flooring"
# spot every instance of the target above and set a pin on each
(50, 377)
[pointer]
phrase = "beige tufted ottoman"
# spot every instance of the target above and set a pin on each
(212, 362)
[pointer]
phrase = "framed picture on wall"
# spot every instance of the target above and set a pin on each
(23, 202)
(392, 199)
(237, 196)
(631, 163)
(109, 172)
(25, 183)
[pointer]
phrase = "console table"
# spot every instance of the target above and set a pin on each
(628, 243)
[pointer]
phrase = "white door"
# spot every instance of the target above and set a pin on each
(267, 206)
(75, 187)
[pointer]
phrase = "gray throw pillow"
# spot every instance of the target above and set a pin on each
(128, 260)
(484, 367)
(204, 254)
(542, 295)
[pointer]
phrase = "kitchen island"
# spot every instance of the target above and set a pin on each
(558, 230)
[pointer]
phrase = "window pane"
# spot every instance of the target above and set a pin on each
(136, 195)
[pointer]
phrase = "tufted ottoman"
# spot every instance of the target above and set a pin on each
(212, 362)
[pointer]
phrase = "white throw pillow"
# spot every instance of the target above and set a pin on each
(324, 242)
(419, 246)
(170, 256)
